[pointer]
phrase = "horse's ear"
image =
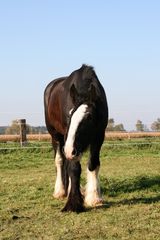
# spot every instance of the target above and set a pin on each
(73, 92)
(92, 92)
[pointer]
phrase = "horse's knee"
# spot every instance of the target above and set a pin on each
(93, 164)
(58, 158)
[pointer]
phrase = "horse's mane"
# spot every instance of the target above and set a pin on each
(87, 71)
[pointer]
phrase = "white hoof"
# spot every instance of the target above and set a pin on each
(93, 200)
(59, 194)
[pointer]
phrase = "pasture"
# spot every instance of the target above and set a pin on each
(130, 181)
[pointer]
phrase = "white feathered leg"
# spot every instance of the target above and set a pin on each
(59, 191)
(92, 193)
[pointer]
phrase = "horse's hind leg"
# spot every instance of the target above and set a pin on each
(59, 190)
(92, 193)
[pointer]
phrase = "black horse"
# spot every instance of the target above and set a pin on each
(76, 115)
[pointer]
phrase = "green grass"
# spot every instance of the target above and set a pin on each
(130, 181)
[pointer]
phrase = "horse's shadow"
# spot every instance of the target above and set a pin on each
(140, 183)
(132, 201)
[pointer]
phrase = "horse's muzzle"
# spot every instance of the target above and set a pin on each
(71, 154)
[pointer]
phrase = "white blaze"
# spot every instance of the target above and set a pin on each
(77, 117)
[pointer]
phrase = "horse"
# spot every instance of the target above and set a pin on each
(76, 116)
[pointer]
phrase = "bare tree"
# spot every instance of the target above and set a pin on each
(156, 125)
(139, 126)
(112, 127)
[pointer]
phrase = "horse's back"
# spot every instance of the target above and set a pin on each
(53, 105)
(51, 87)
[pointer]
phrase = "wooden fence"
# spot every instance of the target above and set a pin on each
(47, 137)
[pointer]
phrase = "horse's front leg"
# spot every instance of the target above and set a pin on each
(92, 192)
(75, 198)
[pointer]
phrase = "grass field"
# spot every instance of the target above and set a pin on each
(130, 181)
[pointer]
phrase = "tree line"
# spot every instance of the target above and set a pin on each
(139, 127)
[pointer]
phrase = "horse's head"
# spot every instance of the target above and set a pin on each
(83, 95)
(80, 131)
(82, 85)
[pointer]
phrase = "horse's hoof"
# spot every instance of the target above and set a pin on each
(94, 202)
(99, 202)
(77, 210)
(73, 208)
(59, 195)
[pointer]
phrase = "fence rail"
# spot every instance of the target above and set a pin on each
(108, 135)
(129, 135)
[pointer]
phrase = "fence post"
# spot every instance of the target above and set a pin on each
(23, 132)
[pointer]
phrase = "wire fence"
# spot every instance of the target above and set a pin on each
(109, 142)
(108, 135)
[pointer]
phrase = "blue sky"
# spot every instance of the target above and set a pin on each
(42, 40)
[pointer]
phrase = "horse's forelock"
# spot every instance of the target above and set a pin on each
(87, 71)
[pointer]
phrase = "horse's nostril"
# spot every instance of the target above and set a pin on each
(74, 152)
